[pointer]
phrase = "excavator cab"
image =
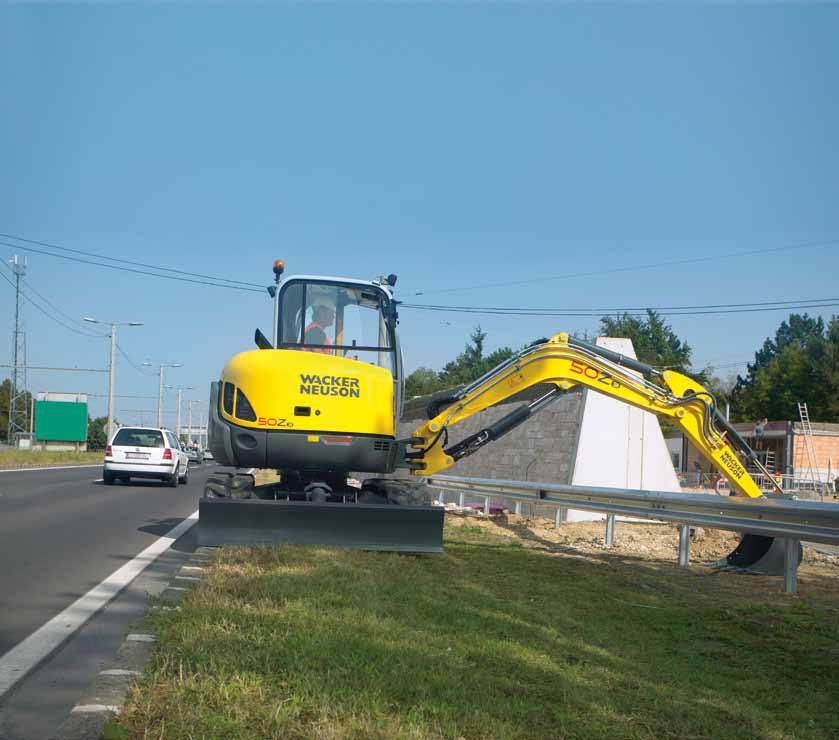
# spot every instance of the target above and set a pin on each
(348, 319)
(323, 398)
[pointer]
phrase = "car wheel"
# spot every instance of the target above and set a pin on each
(173, 480)
(108, 479)
(185, 476)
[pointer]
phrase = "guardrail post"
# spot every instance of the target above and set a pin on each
(560, 517)
(610, 530)
(518, 508)
(684, 545)
(790, 565)
(461, 500)
(486, 505)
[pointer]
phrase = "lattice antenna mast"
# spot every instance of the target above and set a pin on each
(18, 412)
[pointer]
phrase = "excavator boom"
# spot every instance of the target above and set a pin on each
(565, 362)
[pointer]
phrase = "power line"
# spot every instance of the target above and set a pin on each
(56, 308)
(61, 369)
(631, 268)
(132, 270)
(131, 362)
(634, 312)
(129, 262)
(58, 321)
(638, 308)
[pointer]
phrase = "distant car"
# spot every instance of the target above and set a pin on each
(208, 454)
(145, 452)
(195, 455)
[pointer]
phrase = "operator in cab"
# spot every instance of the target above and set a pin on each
(323, 317)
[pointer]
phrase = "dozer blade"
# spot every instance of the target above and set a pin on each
(354, 526)
(758, 554)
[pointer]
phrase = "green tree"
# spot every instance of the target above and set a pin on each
(720, 387)
(798, 364)
(97, 435)
(472, 363)
(23, 408)
(654, 340)
(5, 394)
(466, 367)
(421, 382)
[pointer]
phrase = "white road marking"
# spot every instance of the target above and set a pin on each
(187, 578)
(28, 653)
(95, 708)
(119, 672)
(49, 467)
(140, 638)
(99, 480)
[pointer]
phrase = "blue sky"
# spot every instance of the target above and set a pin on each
(453, 144)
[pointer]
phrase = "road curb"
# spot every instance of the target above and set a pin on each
(105, 698)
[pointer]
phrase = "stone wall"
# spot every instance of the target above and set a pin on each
(543, 448)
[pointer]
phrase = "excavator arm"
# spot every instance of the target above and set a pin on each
(565, 362)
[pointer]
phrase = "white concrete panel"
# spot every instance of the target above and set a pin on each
(620, 446)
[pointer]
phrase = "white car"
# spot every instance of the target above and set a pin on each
(145, 452)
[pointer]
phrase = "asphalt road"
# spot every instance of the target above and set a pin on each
(62, 532)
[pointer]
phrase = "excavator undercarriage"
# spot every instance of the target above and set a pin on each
(319, 407)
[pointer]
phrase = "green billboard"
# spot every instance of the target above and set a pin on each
(60, 421)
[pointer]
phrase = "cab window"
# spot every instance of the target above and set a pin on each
(334, 319)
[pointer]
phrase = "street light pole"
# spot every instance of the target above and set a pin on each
(180, 390)
(111, 384)
(112, 367)
(160, 387)
(160, 398)
(189, 412)
(178, 422)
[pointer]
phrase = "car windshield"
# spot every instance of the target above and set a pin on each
(138, 438)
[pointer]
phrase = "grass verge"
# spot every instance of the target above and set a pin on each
(37, 458)
(491, 640)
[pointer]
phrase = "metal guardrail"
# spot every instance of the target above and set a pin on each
(795, 483)
(789, 519)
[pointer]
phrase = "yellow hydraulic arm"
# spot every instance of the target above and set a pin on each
(565, 362)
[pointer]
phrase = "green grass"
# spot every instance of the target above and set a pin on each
(490, 640)
(36, 458)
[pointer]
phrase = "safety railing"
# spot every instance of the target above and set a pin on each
(794, 483)
(789, 519)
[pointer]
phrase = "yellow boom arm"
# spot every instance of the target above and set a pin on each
(565, 362)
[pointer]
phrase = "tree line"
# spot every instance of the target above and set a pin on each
(799, 363)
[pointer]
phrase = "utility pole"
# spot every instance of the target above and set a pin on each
(189, 413)
(180, 389)
(160, 398)
(18, 389)
(160, 387)
(112, 367)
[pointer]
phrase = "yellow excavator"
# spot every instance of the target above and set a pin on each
(320, 401)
